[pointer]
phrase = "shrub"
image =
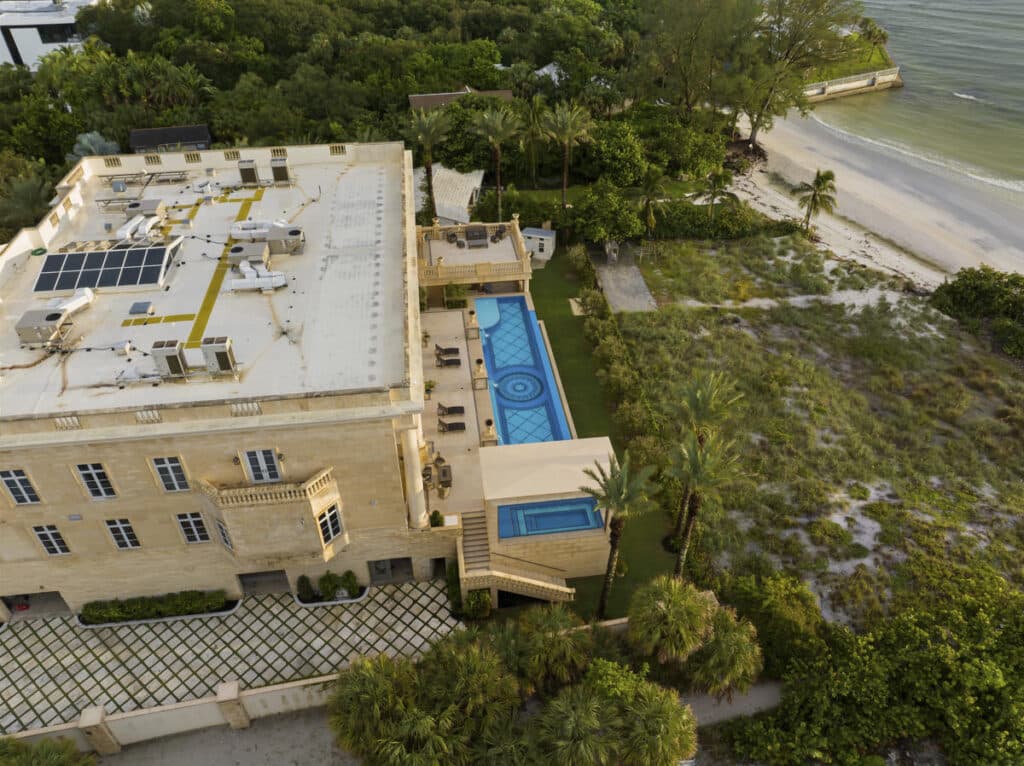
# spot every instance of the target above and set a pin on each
(304, 590)
(51, 752)
(477, 605)
(328, 585)
(350, 583)
(613, 152)
(681, 219)
(1009, 336)
(579, 261)
(152, 607)
(436, 519)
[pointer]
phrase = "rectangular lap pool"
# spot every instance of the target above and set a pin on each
(547, 517)
(527, 407)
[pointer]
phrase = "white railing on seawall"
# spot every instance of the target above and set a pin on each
(865, 80)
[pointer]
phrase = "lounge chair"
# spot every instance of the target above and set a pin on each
(476, 236)
(448, 361)
(455, 425)
(446, 350)
(457, 409)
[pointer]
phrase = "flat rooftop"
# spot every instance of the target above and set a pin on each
(339, 323)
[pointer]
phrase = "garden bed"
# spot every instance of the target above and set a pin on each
(192, 601)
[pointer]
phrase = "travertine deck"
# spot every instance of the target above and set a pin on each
(53, 668)
(460, 449)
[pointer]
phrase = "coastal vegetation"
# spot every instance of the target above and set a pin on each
(602, 88)
(47, 752)
(540, 689)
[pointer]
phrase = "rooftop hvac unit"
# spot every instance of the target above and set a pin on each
(219, 356)
(47, 326)
(280, 236)
(253, 252)
(146, 207)
(279, 167)
(247, 170)
(144, 228)
(169, 358)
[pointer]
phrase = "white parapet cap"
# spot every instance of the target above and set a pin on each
(337, 320)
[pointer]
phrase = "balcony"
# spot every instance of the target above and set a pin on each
(475, 253)
(271, 494)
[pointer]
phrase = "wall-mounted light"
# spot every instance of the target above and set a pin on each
(280, 457)
(236, 460)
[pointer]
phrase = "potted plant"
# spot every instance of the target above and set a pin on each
(428, 387)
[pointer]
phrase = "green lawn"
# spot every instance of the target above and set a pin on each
(860, 61)
(551, 289)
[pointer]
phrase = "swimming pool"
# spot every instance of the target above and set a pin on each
(527, 407)
(547, 517)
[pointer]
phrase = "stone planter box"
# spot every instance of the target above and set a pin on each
(157, 620)
(336, 602)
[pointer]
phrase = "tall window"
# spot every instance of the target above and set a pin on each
(262, 464)
(95, 479)
(225, 538)
(18, 484)
(330, 524)
(171, 473)
(193, 527)
(123, 534)
(51, 540)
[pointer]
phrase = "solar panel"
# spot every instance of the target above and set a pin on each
(124, 265)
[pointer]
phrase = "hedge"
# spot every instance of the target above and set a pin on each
(153, 607)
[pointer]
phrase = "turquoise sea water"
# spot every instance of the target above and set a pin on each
(963, 104)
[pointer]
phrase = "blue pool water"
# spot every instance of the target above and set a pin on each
(527, 407)
(548, 517)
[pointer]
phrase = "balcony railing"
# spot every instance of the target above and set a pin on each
(478, 272)
(269, 494)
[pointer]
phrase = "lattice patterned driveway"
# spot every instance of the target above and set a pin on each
(53, 668)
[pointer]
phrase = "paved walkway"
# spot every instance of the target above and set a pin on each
(763, 696)
(624, 287)
(53, 668)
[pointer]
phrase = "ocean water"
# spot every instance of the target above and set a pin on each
(963, 104)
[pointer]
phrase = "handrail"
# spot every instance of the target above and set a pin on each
(852, 78)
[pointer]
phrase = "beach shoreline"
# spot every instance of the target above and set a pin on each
(907, 217)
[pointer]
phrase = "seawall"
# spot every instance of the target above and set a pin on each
(869, 82)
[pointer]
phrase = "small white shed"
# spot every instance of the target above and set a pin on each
(540, 242)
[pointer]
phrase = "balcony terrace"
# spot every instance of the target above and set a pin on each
(475, 253)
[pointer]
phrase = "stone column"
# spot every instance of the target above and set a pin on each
(230, 704)
(414, 496)
(5, 613)
(420, 439)
(92, 723)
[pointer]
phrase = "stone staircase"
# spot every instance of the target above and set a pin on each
(479, 571)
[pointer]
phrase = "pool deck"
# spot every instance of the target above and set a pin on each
(460, 449)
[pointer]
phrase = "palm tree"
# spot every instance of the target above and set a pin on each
(656, 730)
(706, 402)
(420, 738)
(730, 660)
(701, 469)
(497, 126)
(23, 201)
(91, 144)
(715, 190)
(817, 196)
(567, 125)
(670, 619)
(652, 190)
(576, 728)
(369, 697)
(534, 133)
(873, 33)
(553, 654)
(428, 129)
(622, 496)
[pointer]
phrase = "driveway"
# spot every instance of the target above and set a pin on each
(53, 668)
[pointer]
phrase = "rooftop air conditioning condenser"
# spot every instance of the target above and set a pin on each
(247, 170)
(169, 358)
(279, 167)
(219, 356)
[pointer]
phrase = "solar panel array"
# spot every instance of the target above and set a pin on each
(121, 266)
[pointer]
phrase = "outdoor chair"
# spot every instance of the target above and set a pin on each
(448, 361)
(444, 475)
(457, 409)
(446, 350)
(455, 425)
